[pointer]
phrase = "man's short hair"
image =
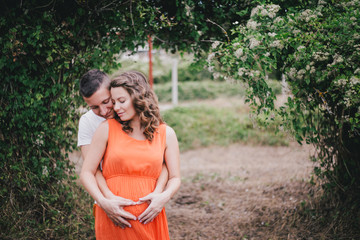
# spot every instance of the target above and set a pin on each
(91, 81)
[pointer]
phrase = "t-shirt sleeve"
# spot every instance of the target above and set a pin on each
(85, 133)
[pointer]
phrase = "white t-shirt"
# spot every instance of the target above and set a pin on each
(88, 124)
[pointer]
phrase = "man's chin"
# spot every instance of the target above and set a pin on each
(109, 116)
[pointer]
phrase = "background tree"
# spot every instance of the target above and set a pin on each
(46, 46)
(317, 48)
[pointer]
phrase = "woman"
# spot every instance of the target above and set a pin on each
(134, 146)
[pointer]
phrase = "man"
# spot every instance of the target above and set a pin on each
(95, 90)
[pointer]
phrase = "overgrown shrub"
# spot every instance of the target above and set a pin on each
(46, 47)
(317, 48)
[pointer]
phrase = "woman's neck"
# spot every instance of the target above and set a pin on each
(135, 124)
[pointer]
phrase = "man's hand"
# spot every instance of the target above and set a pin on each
(113, 208)
(157, 202)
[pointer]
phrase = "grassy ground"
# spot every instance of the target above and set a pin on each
(205, 124)
(193, 90)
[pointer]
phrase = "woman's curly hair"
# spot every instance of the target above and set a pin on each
(144, 101)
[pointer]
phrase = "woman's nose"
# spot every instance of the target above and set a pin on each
(116, 106)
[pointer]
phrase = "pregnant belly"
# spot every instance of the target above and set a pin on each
(133, 188)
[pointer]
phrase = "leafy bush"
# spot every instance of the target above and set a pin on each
(186, 73)
(45, 49)
(317, 48)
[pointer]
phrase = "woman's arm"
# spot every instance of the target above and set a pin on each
(113, 208)
(162, 180)
(172, 160)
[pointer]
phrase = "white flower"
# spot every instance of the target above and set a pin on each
(356, 36)
(272, 15)
(45, 171)
(255, 10)
(264, 12)
(254, 43)
(341, 82)
(235, 23)
(308, 14)
(320, 56)
(296, 31)
(241, 71)
(254, 73)
(277, 44)
(273, 8)
(210, 57)
(278, 20)
(292, 73)
(216, 75)
(271, 34)
(215, 44)
(243, 58)
(300, 47)
(300, 74)
(312, 70)
(251, 24)
(354, 81)
(357, 71)
(267, 54)
(337, 59)
(238, 53)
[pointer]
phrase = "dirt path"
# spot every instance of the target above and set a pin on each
(238, 192)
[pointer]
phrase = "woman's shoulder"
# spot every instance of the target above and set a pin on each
(170, 132)
(102, 130)
(113, 122)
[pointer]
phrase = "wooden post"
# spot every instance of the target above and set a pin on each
(151, 80)
(174, 80)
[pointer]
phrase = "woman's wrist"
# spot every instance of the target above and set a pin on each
(101, 201)
(166, 195)
(108, 194)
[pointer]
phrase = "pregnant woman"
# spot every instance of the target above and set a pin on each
(133, 146)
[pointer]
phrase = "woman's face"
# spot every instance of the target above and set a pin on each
(123, 105)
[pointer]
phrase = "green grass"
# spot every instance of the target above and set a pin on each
(206, 90)
(201, 126)
(199, 90)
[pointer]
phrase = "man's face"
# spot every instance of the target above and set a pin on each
(100, 102)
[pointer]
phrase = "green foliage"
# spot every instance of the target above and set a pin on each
(186, 73)
(317, 48)
(46, 47)
(198, 126)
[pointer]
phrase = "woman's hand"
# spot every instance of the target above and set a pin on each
(113, 208)
(156, 202)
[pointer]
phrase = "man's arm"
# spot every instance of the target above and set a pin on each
(98, 175)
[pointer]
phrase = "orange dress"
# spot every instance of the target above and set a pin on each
(131, 168)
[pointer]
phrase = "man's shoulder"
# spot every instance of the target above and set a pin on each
(88, 115)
